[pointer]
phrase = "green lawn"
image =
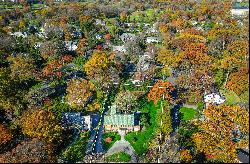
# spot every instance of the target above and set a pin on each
(231, 97)
(187, 113)
(119, 157)
(115, 137)
(140, 140)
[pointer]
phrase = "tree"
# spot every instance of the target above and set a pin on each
(22, 66)
(12, 91)
(239, 81)
(217, 138)
(186, 155)
(81, 46)
(159, 89)
(41, 124)
(96, 65)
(164, 119)
(32, 151)
(79, 91)
(5, 134)
(52, 49)
(126, 101)
(123, 16)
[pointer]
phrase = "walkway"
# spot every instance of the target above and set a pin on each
(122, 146)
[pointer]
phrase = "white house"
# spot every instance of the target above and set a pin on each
(152, 40)
(240, 12)
(70, 45)
(213, 98)
(119, 48)
(127, 37)
(19, 34)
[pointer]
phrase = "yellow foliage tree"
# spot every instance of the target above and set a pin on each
(216, 137)
(41, 124)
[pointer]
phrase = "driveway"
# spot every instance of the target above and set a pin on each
(122, 146)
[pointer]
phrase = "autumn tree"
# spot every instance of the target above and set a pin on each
(185, 155)
(12, 91)
(78, 92)
(81, 46)
(239, 81)
(126, 101)
(5, 134)
(159, 89)
(223, 124)
(52, 49)
(41, 124)
(31, 151)
(22, 66)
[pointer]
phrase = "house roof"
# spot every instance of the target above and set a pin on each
(73, 119)
(243, 157)
(119, 119)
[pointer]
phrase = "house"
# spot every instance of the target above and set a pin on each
(127, 37)
(70, 45)
(137, 77)
(19, 34)
(75, 120)
(240, 9)
(213, 98)
(243, 155)
(152, 40)
(119, 48)
(99, 22)
(240, 12)
(115, 122)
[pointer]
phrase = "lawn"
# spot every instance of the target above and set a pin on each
(107, 144)
(140, 140)
(187, 113)
(119, 157)
(231, 97)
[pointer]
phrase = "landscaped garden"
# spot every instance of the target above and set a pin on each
(119, 157)
(188, 113)
(140, 140)
(109, 139)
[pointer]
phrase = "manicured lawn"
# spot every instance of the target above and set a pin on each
(140, 140)
(231, 97)
(119, 157)
(187, 113)
(115, 137)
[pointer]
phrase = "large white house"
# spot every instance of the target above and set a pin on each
(240, 12)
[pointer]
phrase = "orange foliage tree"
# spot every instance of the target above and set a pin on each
(5, 134)
(185, 155)
(159, 89)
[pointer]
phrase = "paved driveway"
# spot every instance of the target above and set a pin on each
(122, 146)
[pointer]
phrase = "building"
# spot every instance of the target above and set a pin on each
(119, 48)
(127, 37)
(115, 121)
(240, 8)
(152, 40)
(213, 98)
(75, 120)
(70, 45)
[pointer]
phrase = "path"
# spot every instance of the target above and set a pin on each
(122, 145)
